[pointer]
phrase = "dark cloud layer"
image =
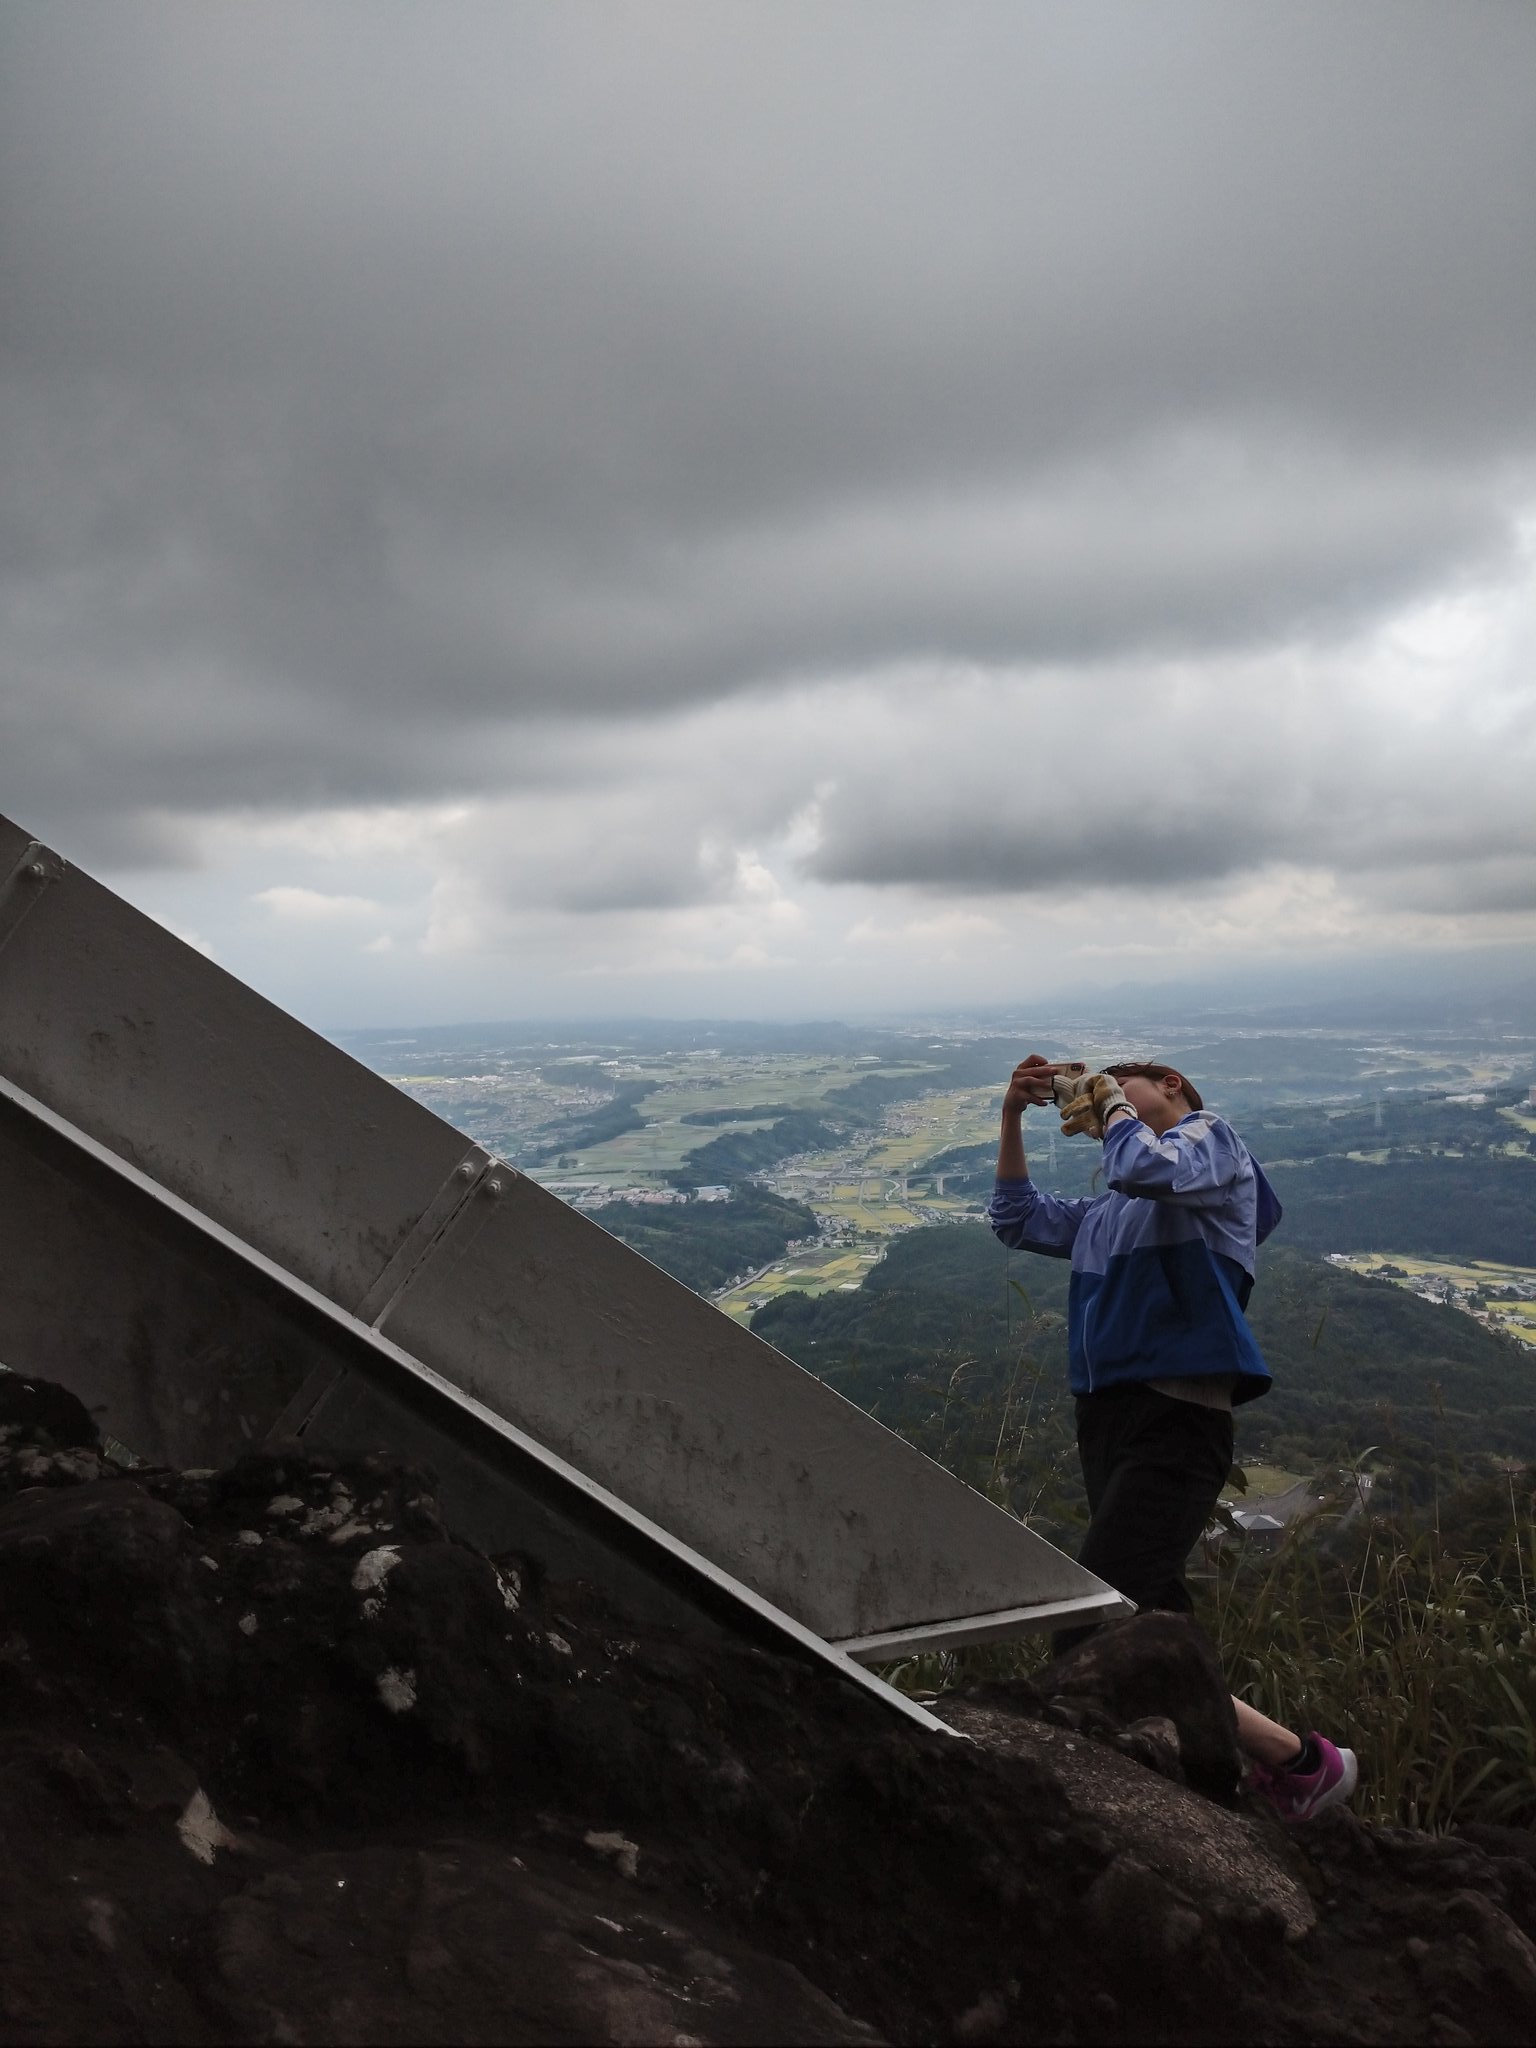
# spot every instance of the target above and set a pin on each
(1182, 779)
(382, 384)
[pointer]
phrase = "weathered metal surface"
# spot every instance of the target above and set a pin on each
(22, 882)
(737, 1450)
(225, 1099)
(66, 1200)
(886, 1645)
(343, 1183)
(183, 1358)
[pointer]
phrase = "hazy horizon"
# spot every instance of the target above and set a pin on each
(1329, 1002)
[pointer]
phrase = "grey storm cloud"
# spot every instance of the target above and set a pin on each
(1499, 882)
(615, 853)
(381, 383)
(1182, 780)
(1085, 845)
(1102, 848)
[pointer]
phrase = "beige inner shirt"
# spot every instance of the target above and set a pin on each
(1213, 1391)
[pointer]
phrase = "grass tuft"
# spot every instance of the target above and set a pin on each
(1412, 1645)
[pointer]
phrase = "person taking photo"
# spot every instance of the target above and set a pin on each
(1159, 1345)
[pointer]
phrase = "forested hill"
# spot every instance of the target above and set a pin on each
(1430, 1178)
(1477, 1207)
(1355, 1360)
(706, 1244)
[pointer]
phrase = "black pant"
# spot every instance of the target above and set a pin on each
(1154, 1468)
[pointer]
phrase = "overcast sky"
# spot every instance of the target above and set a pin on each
(770, 508)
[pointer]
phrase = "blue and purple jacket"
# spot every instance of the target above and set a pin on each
(1162, 1265)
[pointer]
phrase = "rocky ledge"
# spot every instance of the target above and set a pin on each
(281, 1760)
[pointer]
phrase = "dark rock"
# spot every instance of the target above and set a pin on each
(1517, 1843)
(460, 1942)
(280, 1760)
(44, 1414)
(1235, 1870)
(1147, 1930)
(100, 1578)
(1508, 1955)
(1444, 2032)
(1153, 1742)
(1155, 1667)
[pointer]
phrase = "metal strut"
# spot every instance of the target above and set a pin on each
(24, 885)
(370, 1356)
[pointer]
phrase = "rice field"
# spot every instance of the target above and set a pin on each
(684, 1086)
(808, 1272)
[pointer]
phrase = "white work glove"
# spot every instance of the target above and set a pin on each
(1098, 1097)
(1066, 1087)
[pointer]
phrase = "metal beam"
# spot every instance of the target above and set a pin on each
(140, 1044)
(402, 1384)
(981, 1628)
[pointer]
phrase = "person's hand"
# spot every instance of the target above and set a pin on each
(1030, 1084)
(1099, 1097)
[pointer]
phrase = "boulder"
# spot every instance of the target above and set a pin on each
(1145, 1673)
(282, 1760)
(43, 1414)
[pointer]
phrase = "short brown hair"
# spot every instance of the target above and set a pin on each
(1156, 1071)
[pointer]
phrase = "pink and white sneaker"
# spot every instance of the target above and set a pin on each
(1326, 1777)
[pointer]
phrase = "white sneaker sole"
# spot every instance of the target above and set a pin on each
(1337, 1793)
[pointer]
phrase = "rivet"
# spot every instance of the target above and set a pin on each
(493, 1187)
(37, 868)
(466, 1171)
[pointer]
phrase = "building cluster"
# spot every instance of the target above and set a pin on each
(1480, 1301)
